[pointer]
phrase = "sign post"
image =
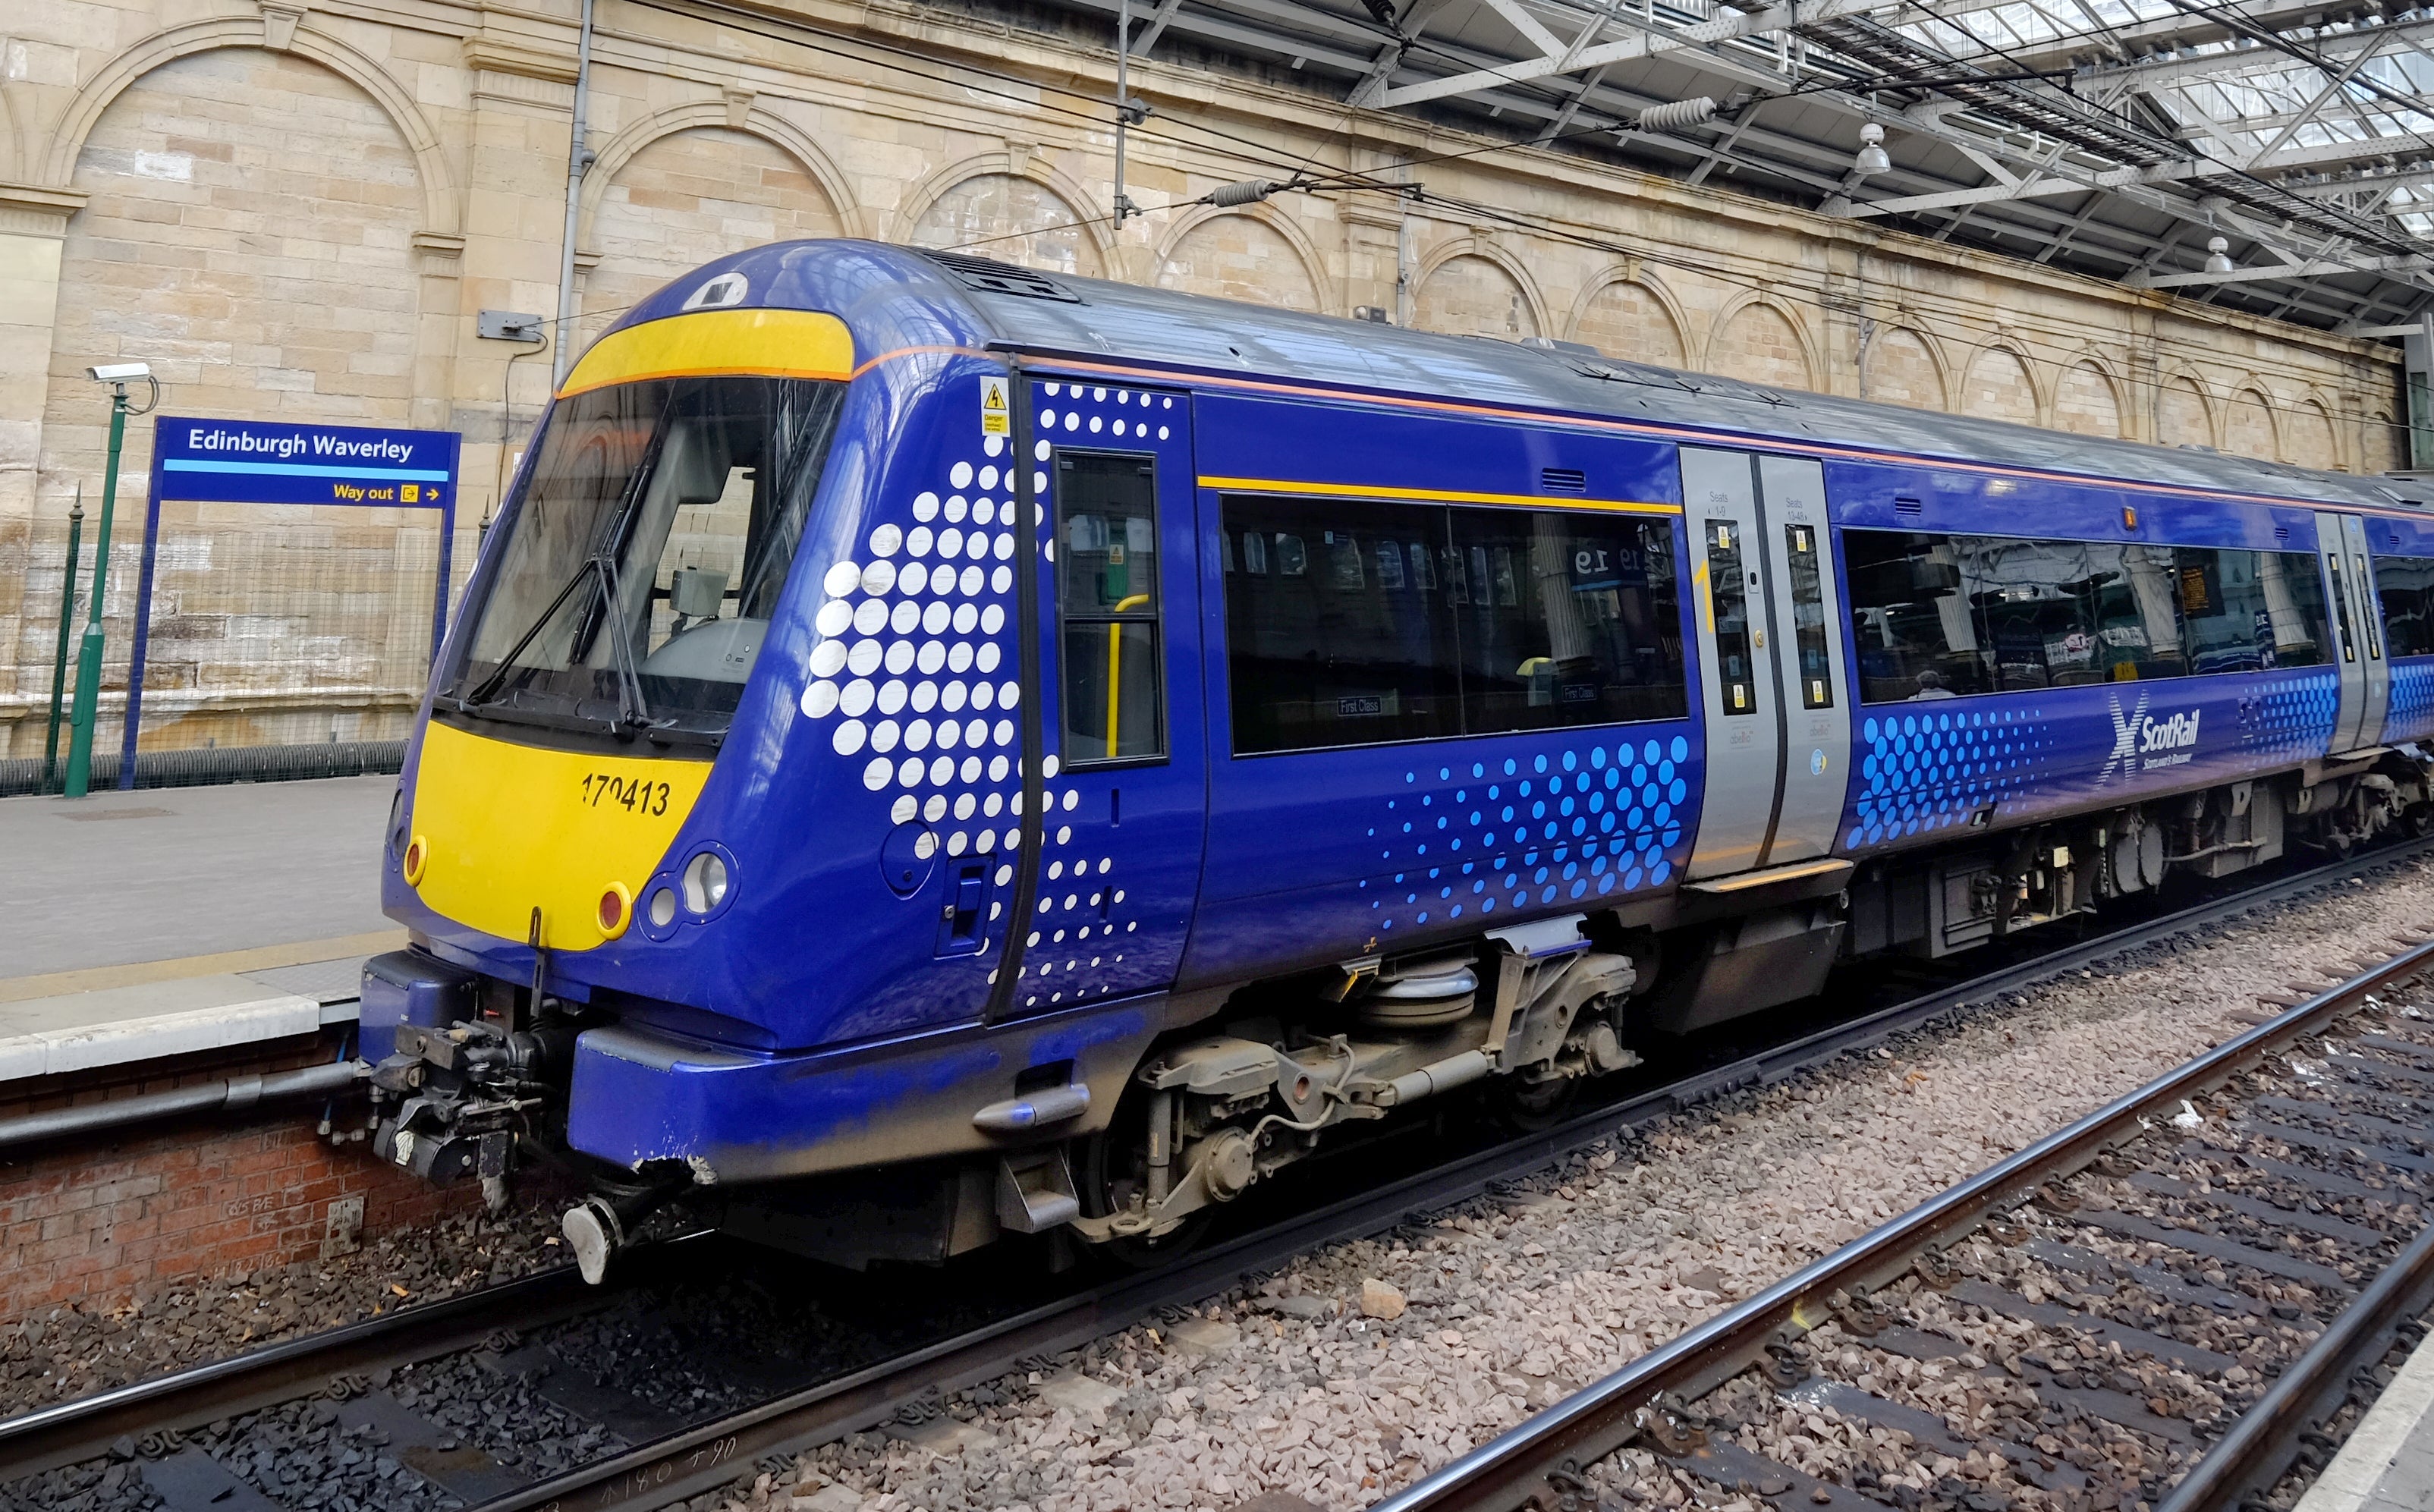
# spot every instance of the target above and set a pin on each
(278, 463)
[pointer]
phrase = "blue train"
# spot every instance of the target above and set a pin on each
(932, 748)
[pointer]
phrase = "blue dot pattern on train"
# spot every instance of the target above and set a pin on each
(1531, 831)
(1928, 772)
(2412, 710)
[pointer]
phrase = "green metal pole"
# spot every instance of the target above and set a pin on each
(87, 686)
(59, 659)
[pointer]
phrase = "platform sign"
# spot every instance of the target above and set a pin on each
(242, 461)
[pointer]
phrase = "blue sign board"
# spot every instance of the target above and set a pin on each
(251, 461)
(262, 462)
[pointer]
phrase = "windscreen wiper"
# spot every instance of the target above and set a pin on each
(633, 711)
(481, 694)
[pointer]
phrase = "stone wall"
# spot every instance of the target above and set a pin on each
(298, 211)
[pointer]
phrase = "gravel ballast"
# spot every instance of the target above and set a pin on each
(1512, 1303)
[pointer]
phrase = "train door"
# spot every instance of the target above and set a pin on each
(1813, 684)
(2357, 630)
(1744, 734)
(1114, 867)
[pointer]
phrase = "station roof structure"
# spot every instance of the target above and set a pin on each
(2114, 138)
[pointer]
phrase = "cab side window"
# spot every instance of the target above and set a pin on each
(1112, 695)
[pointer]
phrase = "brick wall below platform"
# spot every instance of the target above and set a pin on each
(94, 1221)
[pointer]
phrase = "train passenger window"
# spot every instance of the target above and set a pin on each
(2064, 613)
(2010, 614)
(2247, 610)
(1321, 650)
(1913, 630)
(2406, 585)
(1728, 600)
(1111, 693)
(1364, 622)
(1808, 617)
(1579, 621)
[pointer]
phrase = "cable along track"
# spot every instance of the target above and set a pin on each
(2165, 1303)
(286, 1418)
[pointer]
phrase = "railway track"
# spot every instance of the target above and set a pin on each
(2165, 1303)
(564, 1356)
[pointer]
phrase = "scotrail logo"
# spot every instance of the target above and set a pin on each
(2143, 743)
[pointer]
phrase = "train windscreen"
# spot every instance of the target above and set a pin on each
(645, 557)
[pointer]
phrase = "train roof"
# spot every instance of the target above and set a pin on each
(1099, 321)
(1104, 319)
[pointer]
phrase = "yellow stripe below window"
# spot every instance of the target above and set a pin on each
(768, 343)
(1363, 490)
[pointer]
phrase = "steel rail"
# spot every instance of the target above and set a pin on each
(1511, 1471)
(691, 1462)
(85, 1428)
(708, 1455)
(2262, 1443)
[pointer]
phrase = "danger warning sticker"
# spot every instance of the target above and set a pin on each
(995, 420)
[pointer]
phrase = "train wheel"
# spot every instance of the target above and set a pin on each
(1110, 1168)
(1535, 1107)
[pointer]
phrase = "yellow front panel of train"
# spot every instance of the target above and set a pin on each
(503, 829)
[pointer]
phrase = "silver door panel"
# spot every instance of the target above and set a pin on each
(1744, 742)
(1816, 724)
(2368, 609)
(2343, 625)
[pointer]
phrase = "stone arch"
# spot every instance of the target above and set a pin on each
(2087, 399)
(2312, 438)
(2252, 422)
(1761, 338)
(785, 135)
(1634, 318)
(2002, 384)
(267, 268)
(2382, 447)
(1906, 366)
(672, 200)
(2185, 412)
(949, 209)
(1238, 253)
(1470, 286)
(59, 159)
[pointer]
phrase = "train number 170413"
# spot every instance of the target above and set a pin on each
(635, 795)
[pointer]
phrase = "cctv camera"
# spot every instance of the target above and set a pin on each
(119, 372)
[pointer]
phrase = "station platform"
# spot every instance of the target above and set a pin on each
(165, 922)
(2387, 1464)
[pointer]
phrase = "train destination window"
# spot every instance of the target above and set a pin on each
(2406, 585)
(1728, 599)
(1111, 696)
(1808, 617)
(1934, 616)
(1361, 622)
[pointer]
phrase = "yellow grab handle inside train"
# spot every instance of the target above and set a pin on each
(1116, 667)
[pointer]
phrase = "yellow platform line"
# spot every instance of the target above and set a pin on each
(224, 963)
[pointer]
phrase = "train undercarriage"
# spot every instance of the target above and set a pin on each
(1214, 1107)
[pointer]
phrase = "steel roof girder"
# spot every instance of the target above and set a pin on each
(1649, 42)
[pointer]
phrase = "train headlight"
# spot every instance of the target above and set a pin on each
(705, 883)
(662, 906)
